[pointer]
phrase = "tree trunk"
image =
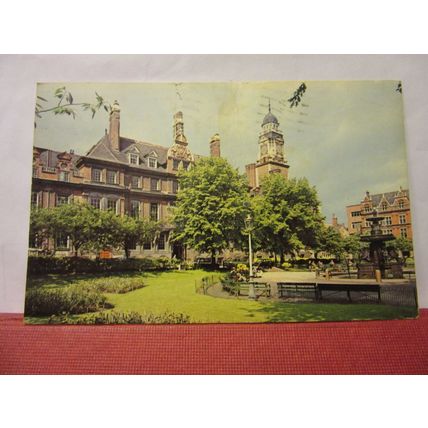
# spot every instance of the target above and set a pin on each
(125, 247)
(281, 258)
(213, 257)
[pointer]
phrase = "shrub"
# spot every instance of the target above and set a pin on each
(42, 265)
(286, 266)
(116, 285)
(74, 299)
(123, 318)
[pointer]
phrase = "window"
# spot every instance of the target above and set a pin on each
(356, 213)
(62, 241)
(153, 163)
(161, 242)
(35, 172)
(135, 209)
(367, 208)
(135, 182)
(403, 232)
(387, 221)
(384, 206)
(64, 176)
(132, 244)
(34, 199)
(112, 205)
(147, 245)
(175, 164)
(61, 200)
(402, 219)
(95, 202)
(111, 177)
(186, 165)
(356, 225)
(401, 204)
(154, 212)
(154, 184)
(368, 223)
(174, 186)
(96, 175)
(134, 159)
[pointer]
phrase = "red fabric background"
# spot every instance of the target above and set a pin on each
(370, 347)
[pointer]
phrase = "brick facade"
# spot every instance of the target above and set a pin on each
(394, 206)
(126, 175)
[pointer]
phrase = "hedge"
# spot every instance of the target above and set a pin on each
(42, 265)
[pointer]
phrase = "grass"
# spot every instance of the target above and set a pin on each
(175, 292)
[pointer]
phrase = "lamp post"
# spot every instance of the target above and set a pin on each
(251, 292)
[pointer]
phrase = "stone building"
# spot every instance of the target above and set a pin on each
(394, 206)
(125, 175)
(271, 158)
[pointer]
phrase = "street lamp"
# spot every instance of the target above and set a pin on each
(248, 224)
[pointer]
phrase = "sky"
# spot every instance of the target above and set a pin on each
(346, 137)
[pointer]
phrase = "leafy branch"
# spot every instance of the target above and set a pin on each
(297, 96)
(65, 104)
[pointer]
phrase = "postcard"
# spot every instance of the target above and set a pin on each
(234, 202)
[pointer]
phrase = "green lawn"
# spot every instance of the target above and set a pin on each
(175, 292)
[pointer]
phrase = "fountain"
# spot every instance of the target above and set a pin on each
(376, 257)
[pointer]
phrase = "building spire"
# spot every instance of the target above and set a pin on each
(269, 105)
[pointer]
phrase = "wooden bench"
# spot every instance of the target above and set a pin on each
(361, 288)
(284, 288)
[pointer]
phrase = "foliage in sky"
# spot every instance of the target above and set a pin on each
(66, 105)
(286, 215)
(211, 207)
(297, 95)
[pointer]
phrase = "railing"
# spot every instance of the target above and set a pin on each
(202, 285)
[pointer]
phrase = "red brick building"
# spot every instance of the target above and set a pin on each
(394, 206)
(125, 175)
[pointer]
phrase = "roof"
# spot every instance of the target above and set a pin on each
(102, 151)
(270, 118)
(50, 157)
(389, 196)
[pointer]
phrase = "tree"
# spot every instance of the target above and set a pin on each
(80, 222)
(65, 104)
(42, 225)
(330, 241)
(402, 246)
(131, 231)
(211, 207)
(352, 246)
(286, 215)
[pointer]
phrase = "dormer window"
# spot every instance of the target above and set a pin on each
(384, 206)
(64, 176)
(134, 159)
(153, 162)
(401, 204)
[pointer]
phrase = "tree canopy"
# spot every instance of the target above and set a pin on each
(211, 206)
(90, 228)
(286, 214)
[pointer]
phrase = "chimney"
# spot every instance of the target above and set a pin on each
(215, 146)
(334, 221)
(114, 132)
